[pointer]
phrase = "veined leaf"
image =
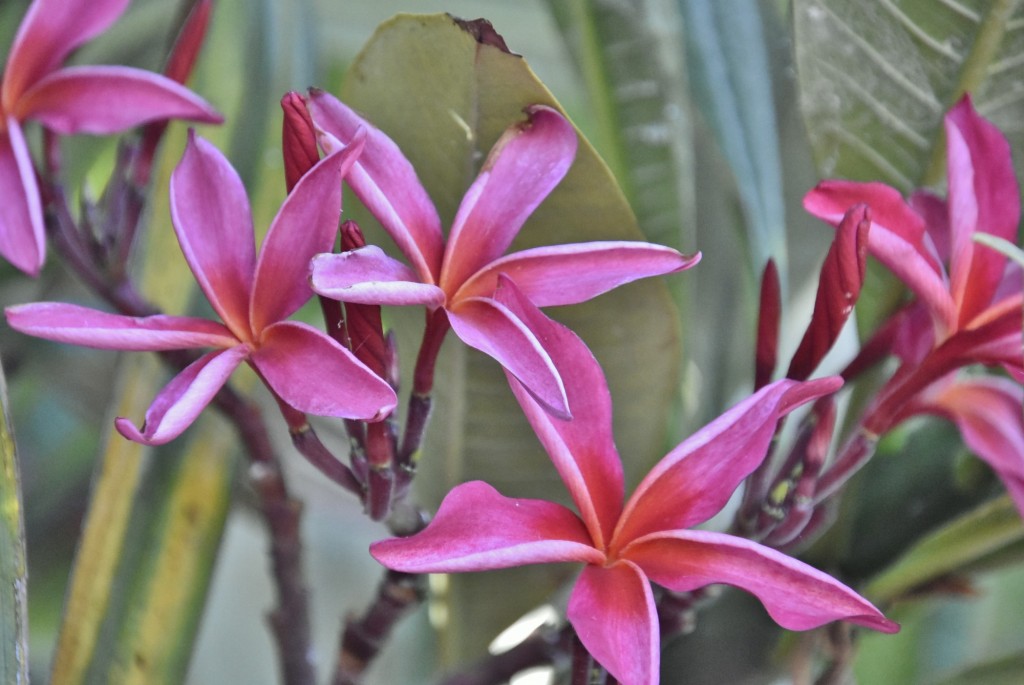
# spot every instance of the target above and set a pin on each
(877, 77)
(477, 430)
(13, 570)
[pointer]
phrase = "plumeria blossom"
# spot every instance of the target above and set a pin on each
(969, 298)
(87, 99)
(458, 275)
(253, 294)
(928, 242)
(626, 547)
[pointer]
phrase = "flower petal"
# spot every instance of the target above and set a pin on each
(569, 274)
(22, 233)
(313, 373)
(797, 596)
(49, 32)
(523, 167)
(695, 480)
(69, 323)
(214, 227)
(384, 181)
(983, 198)
(583, 449)
(368, 276)
(102, 100)
(897, 238)
(490, 327)
(477, 529)
(182, 400)
(612, 609)
(306, 224)
(989, 414)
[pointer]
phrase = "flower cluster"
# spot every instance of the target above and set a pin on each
(966, 311)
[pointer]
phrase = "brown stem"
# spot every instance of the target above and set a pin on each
(397, 596)
(543, 647)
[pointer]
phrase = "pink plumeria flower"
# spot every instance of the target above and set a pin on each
(928, 242)
(94, 99)
(626, 547)
(458, 276)
(253, 294)
(968, 308)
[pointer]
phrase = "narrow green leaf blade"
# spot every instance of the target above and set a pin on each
(728, 62)
(13, 570)
(635, 83)
(966, 541)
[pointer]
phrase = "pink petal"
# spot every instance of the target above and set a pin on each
(368, 276)
(797, 596)
(990, 415)
(569, 274)
(22, 233)
(478, 529)
(839, 284)
(313, 373)
(68, 323)
(612, 609)
(49, 32)
(935, 213)
(695, 480)
(384, 181)
(490, 327)
(103, 100)
(524, 166)
(897, 238)
(214, 226)
(306, 224)
(983, 198)
(583, 449)
(769, 313)
(182, 400)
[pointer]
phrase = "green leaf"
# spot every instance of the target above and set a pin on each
(446, 98)
(1004, 671)
(877, 77)
(965, 541)
(13, 570)
(728, 62)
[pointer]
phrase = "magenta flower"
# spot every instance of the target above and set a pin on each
(648, 540)
(459, 275)
(969, 297)
(253, 294)
(98, 100)
(979, 288)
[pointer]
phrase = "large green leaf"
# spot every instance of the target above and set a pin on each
(876, 78)
(445, 98)
(13, 571)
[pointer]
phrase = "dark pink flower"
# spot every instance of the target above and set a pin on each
(253, 294)
(649, 539)
(460, 274)
(94, 99)
(928, 242)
